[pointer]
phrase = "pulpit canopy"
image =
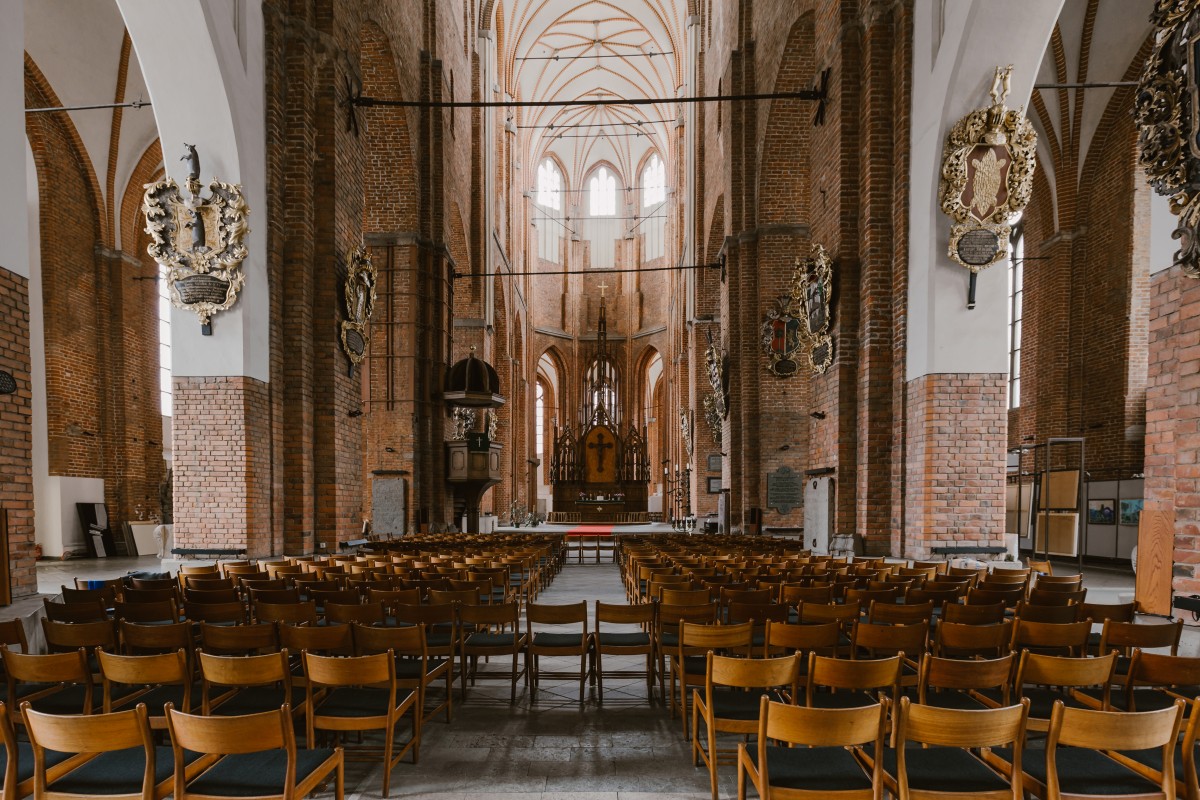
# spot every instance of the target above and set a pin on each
(473, 383)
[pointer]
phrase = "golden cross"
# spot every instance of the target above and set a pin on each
(602, 288)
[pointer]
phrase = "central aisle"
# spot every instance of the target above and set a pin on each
(555, 749)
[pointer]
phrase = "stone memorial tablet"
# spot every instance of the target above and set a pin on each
(784, 490)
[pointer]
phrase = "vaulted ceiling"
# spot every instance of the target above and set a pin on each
(595, 50)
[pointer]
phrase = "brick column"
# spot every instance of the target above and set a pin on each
(954, 461)
(222, 449)
(1173, 417)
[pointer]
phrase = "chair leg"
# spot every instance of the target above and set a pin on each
(387, 754)
(340, 780)
(513, 696)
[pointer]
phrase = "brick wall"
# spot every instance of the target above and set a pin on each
(955, 462)
(16, 443)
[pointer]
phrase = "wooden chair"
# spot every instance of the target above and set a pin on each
(160, 679)
(231, 613)
(681, 597)
(54, 683)
(960, 640)
(117, 584)
(850, 684)
(1076, 763)
(916, 771)
(254, 752)
(282, 595)
(18, 766)
(1049, 679)
(360, 693)
(1155, 681)
(222, 595)
(730, 702)
(1049, 597)
(793, 594)
(118, 758)
(623, 642)
(492, 630)
(557, 643)
(153, 584)
(139, 639)
(361, 613)
(811, 757)
(414, 668)
(66, 637)
(875, 641)
(689, 661)
(1125, 637)
(106, 595)
(1009, 597)
(259, 683)
(965, 684)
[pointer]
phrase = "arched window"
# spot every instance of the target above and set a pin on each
(602, 192)
(1016, 293)
(654, 182)
(602, 388)
(164, 344)
(539, 418)
(549, 185)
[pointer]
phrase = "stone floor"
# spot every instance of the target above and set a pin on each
(555, 748)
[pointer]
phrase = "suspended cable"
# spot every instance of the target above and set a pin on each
(134, 104)
(600, 272)
(557, 57)
(619, 189)
(804, 94)
(602, 135)
(635, 216)
(552, 126)
(661, 203)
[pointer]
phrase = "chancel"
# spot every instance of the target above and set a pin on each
(549, 345)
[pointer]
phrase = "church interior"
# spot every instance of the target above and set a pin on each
(823, 311)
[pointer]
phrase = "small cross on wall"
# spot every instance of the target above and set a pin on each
(602, 287)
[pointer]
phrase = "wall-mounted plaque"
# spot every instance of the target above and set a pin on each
(785, 490)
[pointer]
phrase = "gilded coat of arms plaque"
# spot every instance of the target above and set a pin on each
(987, 177)
(360, 305)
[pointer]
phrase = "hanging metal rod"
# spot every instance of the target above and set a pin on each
(619, 189)
(620, 135)
(600, 272)
(1095, 85)
(556, 57)
(578, 219)
(134, 104)
(553, 127)
(804, 94)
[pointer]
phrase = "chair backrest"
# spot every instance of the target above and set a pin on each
(954, 727)
(365, 613)
(89, 733)
(68, 636)
(248, 733)
(957, 638)
(900, 614)
(1069, 636)
(821, 727)
(1048, 597)
(626, 614)
(156, 611)
(69, 667)
(215, 612)
(1099, 612)
(698, 639)
(959, 673)
(877, 640)
(289, 613)
(106, 595)
(681, 597)
(466, 597)
(823, 637)
(153, 584)
(975, 614)
(1042, 670)
(1114, 730)
(141, 638)
(1157, 669)
(794, 594)
(163, 668)
(350, 670)
(990, 596)
(1124, 636)
(245, 670)
(752, 673)
(322, 639)
(759, 613)
(280, 595)
(88, 611)
(403, 641)
(132, 595)
(861, 675)
(261, 637)
(564, 614)
(844, 614)
(1059, 615)
(229, 595)
(12, 632)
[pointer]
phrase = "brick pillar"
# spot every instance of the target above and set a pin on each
(954, 462)
(222, 461)
(16, 433)
(1173, 417)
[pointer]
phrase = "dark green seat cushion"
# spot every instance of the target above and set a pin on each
(943, 769)
(953, 698)
(843, 698)
(557, 640)
(118, 772)
(631, 639)
(486, 639)
(251, 700)
(828, 769)
(25, 760)
(354, 701)
(255, 774)
(1082, 771)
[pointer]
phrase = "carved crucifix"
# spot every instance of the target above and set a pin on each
(602, 287)
(600, 445)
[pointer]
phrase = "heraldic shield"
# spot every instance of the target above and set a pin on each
(199, 241)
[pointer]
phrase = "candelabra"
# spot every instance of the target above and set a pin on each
(679, 493)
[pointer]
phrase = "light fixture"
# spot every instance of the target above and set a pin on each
(8, 384)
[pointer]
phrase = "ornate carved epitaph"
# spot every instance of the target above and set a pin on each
(1167, 110)
(199, 241)
(360, 305)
